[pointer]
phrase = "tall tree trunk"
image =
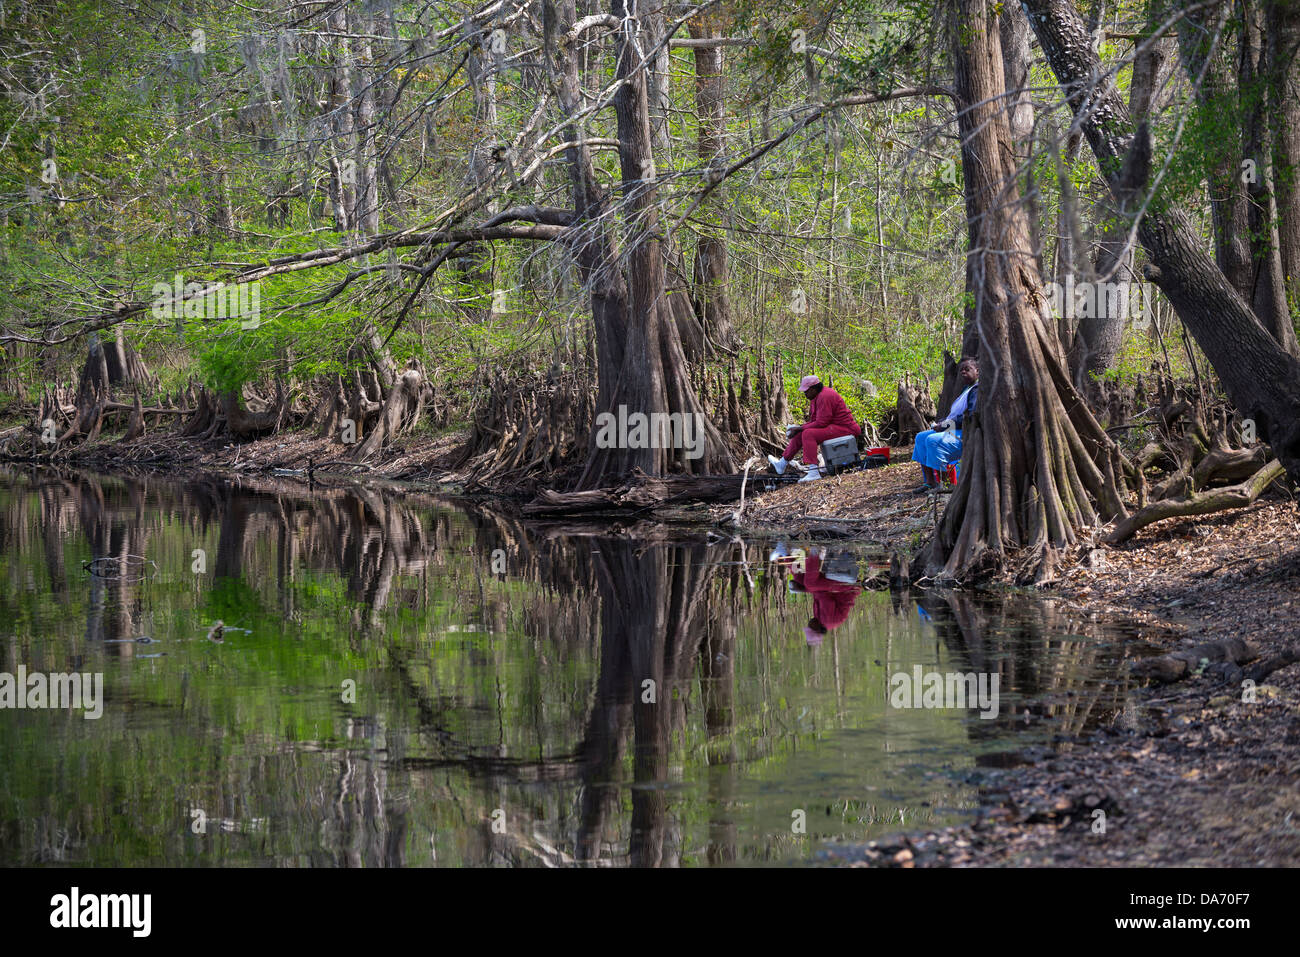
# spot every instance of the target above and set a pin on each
(1203, 44)
(1098, 337)
(641, 363)
(1017, 66)
(1071, 261)
(221, 213)
(364, 95)
(712, 274)
(343, 170)
(1069, 253)
(1284, 95)
(481, 69)
(1268, 292)
(1261, 378)
(594, 246)
(684, 313)
(1035, 460)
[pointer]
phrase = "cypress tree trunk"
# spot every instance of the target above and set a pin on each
(712, 274)
(1098, 338)
(1284, 93)
(343, 175)
(641, 363)
(1203, 44)
(1035, 460)
(1268, 293)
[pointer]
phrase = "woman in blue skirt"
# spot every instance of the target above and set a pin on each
(941, 443)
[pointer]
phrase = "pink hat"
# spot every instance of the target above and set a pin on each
(814, 637)
(807, 382)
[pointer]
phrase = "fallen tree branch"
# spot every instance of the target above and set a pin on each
(1268, 666)
(643, 493)
(1199, 503)
(1180, 664)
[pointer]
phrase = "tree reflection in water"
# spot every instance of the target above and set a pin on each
(497, 719)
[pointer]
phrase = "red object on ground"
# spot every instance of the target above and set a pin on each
(878, 450)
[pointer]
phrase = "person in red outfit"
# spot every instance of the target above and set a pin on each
(828, 418)
(832, 600)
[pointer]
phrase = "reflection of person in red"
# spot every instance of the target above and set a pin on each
(832, 600)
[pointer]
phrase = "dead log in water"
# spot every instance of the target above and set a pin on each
(900, 572)
(642, 493)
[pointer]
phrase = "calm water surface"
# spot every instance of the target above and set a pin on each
(403, 681)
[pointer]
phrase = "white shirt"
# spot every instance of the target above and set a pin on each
(959, 405)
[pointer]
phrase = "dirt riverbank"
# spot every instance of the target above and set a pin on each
(419, 458)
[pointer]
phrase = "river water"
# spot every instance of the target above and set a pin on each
(402, 680)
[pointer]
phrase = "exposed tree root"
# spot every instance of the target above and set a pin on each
(400, 412)
(532, 427)
(135, 427)
(205, 410)
(331, 411)
(527, 426)
(1180, 664)
(1269, 665)
(244, 423)
(913, 414)
(1199, 503)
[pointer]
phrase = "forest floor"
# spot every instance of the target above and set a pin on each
(877, 506)
(1204, 779)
